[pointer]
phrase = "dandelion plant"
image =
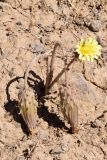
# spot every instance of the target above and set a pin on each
(88, 50)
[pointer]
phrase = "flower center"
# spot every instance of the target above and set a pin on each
(88, 49)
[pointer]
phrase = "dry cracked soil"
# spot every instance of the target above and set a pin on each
(29, 28)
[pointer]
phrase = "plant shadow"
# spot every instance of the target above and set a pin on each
(12, 107)
(51, 118)
(39, 88)
(37, 84)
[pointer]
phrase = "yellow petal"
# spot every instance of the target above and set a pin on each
(88, 49)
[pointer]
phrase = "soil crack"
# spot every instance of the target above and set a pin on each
(92, 82)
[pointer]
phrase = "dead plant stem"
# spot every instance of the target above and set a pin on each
(50, 74)
(61, 73)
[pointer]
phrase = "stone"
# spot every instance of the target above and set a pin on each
(65, 144)
(43, 135)
(56, 150)
(63, 147)
(95, 26)
(37, 48)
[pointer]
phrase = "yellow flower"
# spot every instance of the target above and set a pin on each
(88, 49)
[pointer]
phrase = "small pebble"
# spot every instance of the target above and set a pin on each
(48, 29)
(56, 150)
(37, 48)
(18, 23)
(99, 123)
(79, 21)
(63, 147)
(93, 124)
(95, 26)
(43, 135)
(65, 143)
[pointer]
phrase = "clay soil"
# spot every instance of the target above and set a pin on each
(32, 27)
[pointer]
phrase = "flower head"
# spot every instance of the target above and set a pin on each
(88, 49)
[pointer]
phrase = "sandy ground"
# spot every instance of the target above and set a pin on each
(32, 27)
